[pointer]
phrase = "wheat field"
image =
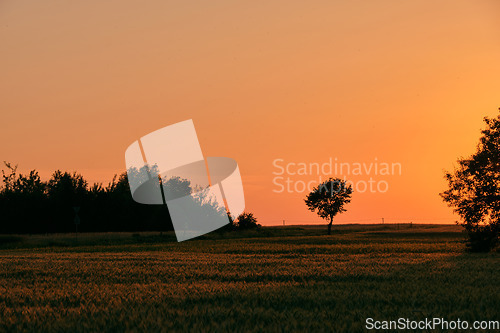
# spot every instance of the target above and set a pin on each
(273, 279)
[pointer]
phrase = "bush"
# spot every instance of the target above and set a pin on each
(247, 221)
(482, 238)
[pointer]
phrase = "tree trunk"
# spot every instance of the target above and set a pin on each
(330, 226)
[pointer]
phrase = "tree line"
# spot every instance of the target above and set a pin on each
(67, 202)
(30, 205)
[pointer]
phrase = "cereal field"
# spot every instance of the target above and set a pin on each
(274, 279)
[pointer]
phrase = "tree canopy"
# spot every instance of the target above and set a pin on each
(474, 189)
(329, 199)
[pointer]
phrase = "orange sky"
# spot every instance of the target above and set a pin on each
(404, 82)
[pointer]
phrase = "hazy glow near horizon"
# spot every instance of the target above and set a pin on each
(356, 82)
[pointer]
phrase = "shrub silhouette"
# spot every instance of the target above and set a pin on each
(246, 221)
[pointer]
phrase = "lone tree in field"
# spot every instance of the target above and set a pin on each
(474, 190)
(329, 198)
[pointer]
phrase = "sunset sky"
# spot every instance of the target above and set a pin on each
(403, 82)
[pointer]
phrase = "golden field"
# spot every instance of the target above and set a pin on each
(272, 279)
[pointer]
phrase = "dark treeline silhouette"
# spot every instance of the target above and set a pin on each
(30, 205)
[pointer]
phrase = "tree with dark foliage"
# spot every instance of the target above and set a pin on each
(246, 221)
(22, 198)
(329, 198)
(474, 190)
(65, 191)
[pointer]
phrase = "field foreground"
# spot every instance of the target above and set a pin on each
(275, 279)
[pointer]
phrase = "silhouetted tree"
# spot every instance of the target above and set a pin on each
(9, 178)
(246, 221)
(176, 187)
(126, 214)
(329, 198)
(474, 190)
(65, 191)
(22, 201)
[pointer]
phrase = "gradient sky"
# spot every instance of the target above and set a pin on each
(401, 81)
